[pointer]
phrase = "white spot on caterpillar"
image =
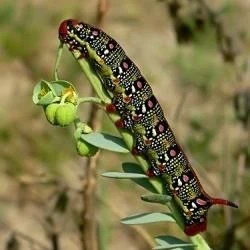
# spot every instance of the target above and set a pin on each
(133, 89)
(194, 205)
(120, 70)
(106, 51)
(91, 37)
(191, 209)
(154, 132)
(166, 157)
(144, 109)
(179, 183)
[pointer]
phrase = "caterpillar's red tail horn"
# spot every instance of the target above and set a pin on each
(215, 201)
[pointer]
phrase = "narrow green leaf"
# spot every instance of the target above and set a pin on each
(171, 242)
(147, 218)
(47, 99)
(156, 198)
(175, 247)
(131, 167)
(106, 141)
(120, 175)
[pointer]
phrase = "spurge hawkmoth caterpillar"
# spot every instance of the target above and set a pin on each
(140, 112)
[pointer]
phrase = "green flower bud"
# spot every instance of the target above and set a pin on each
(86, 129)
(85, 149)
(50, 112)
(65, 114)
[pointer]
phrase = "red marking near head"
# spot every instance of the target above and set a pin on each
(161, 168)
(119, 123)
(150, 173)
(215, 201)
(194, 229)
(147, 141)
(63, 28)
(134, 151)
(136, 118)
(111, 108)
(126, 99)
(116, 81)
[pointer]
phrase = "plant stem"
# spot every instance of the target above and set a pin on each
(58, 59)
(90, 99)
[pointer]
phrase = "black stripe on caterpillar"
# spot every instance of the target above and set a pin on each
(140, 112)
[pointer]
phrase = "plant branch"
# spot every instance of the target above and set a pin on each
(89, 225)
(31, 240)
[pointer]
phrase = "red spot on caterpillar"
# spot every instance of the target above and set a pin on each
(150, 104)
(215, 201)
(119, 123)
(116, 81)
(139, 84)
(126, 99)
(186, 178)
(147, 141)
(125, 65)
(136, 118)
(161, 128)
(134, 151)
(63, 28)
(95, 32)
(111, 45)
(201, 202)
(194, 229)
(150, 173)
(161, 168)
(111, 108)
(172, 152)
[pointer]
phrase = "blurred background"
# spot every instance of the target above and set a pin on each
(194, 53)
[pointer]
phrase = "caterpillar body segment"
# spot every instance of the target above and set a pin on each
(141, 113)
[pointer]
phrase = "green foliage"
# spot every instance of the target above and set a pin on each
(20, 36)
(7, 12)
(145, 218)
(120, 175)
(45, 92)
(203, 73)
(171, 242)
(201, 138)
(85, 149)
(156, 198)
(130, 167)
(106, 141)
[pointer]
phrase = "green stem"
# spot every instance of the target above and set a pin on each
(58, 59)
(128, 138)
(90, 99)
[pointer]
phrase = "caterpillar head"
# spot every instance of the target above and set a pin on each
(65, 28)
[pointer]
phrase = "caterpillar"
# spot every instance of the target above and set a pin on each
(140, 113)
